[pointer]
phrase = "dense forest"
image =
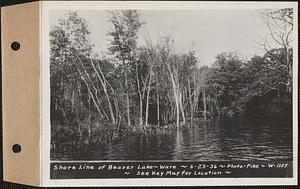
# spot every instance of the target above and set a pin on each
(151, 88)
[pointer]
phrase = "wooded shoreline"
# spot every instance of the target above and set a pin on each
(151, 88)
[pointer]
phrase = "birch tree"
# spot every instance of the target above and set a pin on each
(280, 25)
(126, 24)
(68, 39)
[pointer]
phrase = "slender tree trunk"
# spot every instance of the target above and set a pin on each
(176, 96)
(95, 89)
(191, 101)
(76, 113)
(289, 66)
(177, 111)
(78, 122)
(204, 104)
(117, 114)
(104, 113)
(157, 103)
(127, 93)
(125, 75)
(148, 95)
(117, 109)
(89, 124)
(141, 111)
(105, 92)
(73, 96)
(181, 106)
(140, 95)
(89, 91)
(195, 93)
(127, 105)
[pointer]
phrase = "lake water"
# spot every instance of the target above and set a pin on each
(231, 140)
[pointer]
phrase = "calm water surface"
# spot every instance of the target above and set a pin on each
(231, 140)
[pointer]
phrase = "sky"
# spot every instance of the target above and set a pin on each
(207, 32)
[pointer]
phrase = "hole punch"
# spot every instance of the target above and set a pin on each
(16, 148)
(15, 46)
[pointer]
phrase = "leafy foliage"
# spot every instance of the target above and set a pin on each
(150, 86)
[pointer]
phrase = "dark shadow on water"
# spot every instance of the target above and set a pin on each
(219, 139)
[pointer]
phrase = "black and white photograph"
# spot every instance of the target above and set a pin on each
(199, 85)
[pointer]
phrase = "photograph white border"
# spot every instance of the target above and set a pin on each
(46, 6)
